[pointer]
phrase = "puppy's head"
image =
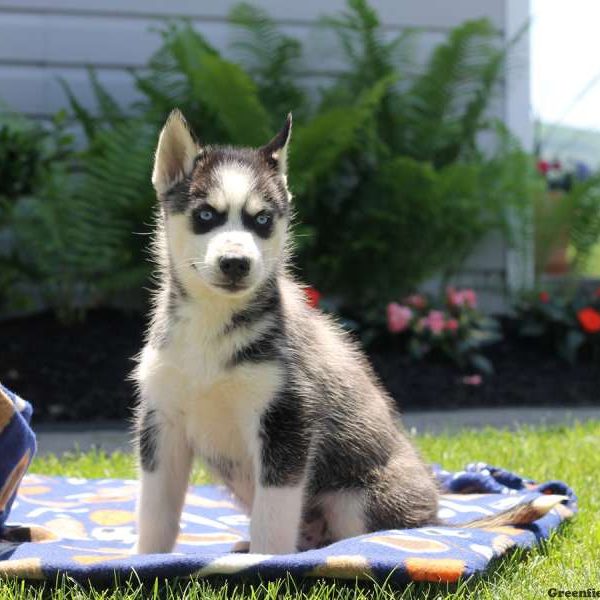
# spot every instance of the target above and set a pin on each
(226, 210)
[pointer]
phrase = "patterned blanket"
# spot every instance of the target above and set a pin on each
(85, 528)
(17, 447)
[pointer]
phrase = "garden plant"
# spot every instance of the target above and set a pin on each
(569, 322)
(456, 329)
(387, 163)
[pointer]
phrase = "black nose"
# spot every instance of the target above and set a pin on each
(234, 267)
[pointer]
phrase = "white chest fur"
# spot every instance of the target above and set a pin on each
(216, 406)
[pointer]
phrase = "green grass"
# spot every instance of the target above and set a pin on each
(569, 561)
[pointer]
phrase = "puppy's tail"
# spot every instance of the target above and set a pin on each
(521, 514)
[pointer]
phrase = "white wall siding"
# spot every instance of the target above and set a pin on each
(442, 14)
(520, 266)
(38, 48)
(41, 40)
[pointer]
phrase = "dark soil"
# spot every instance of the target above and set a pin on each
(79, 372)
(72, 372)
(526, 373)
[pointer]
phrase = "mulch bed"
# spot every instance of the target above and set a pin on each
(79, 372)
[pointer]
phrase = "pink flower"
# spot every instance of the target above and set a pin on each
(435, 321)
(460, 298)
(472, 380)
(435, 315)
(543, 166)
(398, 317)
(453, 297)
(451, 325)
(470, 298)
(417, 301)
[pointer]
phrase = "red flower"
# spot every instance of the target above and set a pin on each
(312, 296)
(589, 318)
(544, 297)
(543, 166)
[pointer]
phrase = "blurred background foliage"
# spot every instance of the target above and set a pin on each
(390, 179)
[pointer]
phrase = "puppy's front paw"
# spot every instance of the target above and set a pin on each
(135, 549)
(152, 547)
(241, 547)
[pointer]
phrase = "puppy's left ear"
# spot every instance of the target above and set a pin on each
(275, 152)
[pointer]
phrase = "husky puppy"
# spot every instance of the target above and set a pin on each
(238, 369)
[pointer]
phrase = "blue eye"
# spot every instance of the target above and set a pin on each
(206, 214)
(262, 219)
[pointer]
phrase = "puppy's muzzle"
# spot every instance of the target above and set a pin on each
(234, 268)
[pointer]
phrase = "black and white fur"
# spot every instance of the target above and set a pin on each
(237, 369)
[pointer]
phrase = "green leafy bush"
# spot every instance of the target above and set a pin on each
(390, 184)
(27, 152)
(20, 160)
(33, 189)
(567, 322)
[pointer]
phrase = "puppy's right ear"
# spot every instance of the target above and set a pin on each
(175, 153)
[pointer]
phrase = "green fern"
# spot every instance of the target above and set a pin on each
(434, 113)
(273, 59)
(321, 144)
(369, 57)
(114, 203)
(219, 99)
(108, 110)
(389, 182)
(82, 114)
(446, 104)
